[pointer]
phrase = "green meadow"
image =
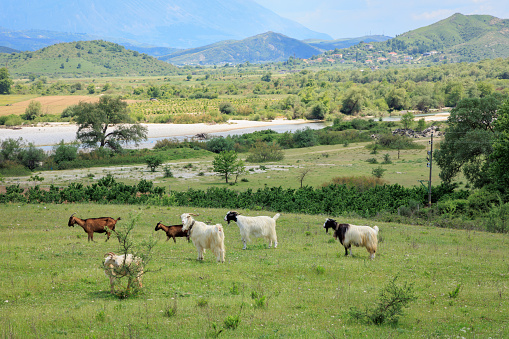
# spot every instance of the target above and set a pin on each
(52, 283)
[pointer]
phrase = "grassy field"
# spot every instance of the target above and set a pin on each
(324, 164)
(52, 283)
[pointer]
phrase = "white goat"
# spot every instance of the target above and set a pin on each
(118, 266)
(256, 227)
(355, 235)
(204, 236)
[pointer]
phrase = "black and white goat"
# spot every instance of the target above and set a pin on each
(349, 235)
(256, 227)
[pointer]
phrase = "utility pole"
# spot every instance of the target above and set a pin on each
(430, 165)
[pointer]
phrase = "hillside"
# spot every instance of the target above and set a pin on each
(4, 49)
(459, 38)
(168, 23)
(472, 37)
(266, 47)
(84, 59)
(344, 43)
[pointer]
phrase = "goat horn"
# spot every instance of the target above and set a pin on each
(73, 214)
(194, 214)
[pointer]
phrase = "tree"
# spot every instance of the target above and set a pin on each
(33, 110)
(267, 77)
(153, 161)
(354, 100)
(262, 151)
(65, 152)
(107, 124)
(499, 158)
(396, 99)
(227, 163)
(302, 175)
(407, 120)
(32, 156)
(10, 149)
(468, 140)
(226, 108)
(5, 81)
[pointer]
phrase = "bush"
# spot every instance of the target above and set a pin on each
(226, 108)
(262, 152)
(64, 153)
(389, 308)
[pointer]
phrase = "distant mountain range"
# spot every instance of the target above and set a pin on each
(148, 23)
(266, 47)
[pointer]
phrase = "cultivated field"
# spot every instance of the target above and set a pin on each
(52, 283)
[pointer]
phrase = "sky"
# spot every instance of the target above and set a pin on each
(356, 18)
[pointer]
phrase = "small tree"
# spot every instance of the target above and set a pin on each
(302, 175)
(262, 151)
(389, 308)
(227, 163)
(32, 156)
(65, 152)
(142, 250)
(33, 110)
(378, 172)
(407, 120)
(226, 108)
(153, 161)
(5, 81)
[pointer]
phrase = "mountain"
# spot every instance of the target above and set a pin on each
(344, 43)
(463, 37)
(266, 47)
(163, 23)
(84, 59)
(4, 49)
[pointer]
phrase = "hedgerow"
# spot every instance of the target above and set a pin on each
(333, 199)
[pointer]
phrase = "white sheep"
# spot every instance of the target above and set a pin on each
(355, 235)
(204, 236)
(254, 227)
(118, 266)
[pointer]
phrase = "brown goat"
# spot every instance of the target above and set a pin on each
(173, 231)
(97, 225)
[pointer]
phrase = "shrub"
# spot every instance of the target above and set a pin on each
(360, 183)
(262, 152)
(389, 307)
(378, 172)
(167, 171)
(372, 161)
(226, 108)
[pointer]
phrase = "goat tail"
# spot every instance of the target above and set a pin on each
(276, 216)
(119, 218)
(376, 229)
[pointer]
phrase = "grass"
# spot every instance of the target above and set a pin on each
(325, 162)
(52, 283)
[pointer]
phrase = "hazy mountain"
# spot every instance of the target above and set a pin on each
(266, 47)
(163, 23)
(344, 43)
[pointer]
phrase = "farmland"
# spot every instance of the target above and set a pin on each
(52, 283)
